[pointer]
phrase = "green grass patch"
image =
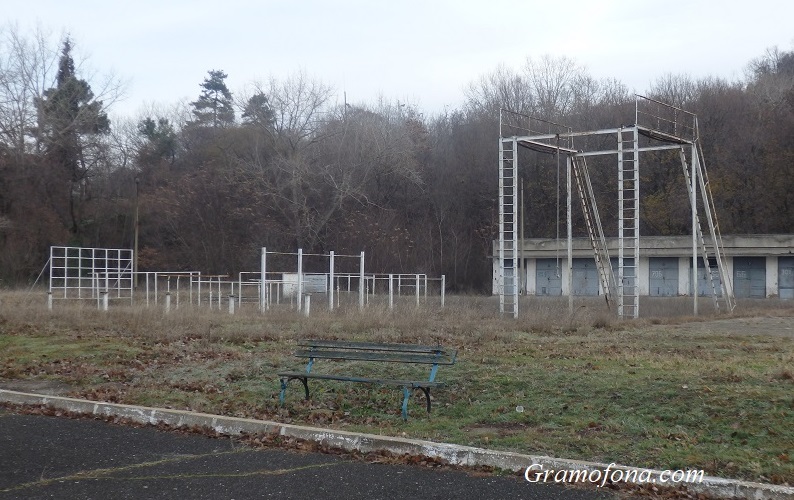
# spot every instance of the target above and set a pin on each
(701, 393)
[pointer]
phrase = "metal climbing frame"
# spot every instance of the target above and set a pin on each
(628, 222)
(514, 131)
(508, 227)
(85, 273)
(658, 126)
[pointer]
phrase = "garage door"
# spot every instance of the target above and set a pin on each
(548, 280)
(663, 278)
(704, 286)
(585, 277)
(749, 277)
(785, 269)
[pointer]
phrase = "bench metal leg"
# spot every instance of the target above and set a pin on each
(305, 382)
(406, 395)
(283, 390)
(284, 381)
(426, 390)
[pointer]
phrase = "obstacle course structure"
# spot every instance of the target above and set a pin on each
(657, 127)
(285, 280)
(90, 273)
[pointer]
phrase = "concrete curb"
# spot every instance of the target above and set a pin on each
(454, 454)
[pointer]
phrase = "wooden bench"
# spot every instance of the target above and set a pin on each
(377, 353)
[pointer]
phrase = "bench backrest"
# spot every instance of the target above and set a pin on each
(375, 351)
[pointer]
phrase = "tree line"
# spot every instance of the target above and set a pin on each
(283, 164)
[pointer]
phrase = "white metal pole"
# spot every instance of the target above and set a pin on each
(391, 291)
(417, 290)
(168, 302)
(263, 290)
(231, 304)
(694, 200)
(300, 278)
(568, 221)
(361, 283)
(443, 289)
(331, 281)
(520, 267)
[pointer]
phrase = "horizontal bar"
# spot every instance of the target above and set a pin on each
(390, 357)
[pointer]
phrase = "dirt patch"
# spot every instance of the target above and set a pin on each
(46, 387)
(764, 326)
(500, 429)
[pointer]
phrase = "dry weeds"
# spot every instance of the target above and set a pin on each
(667, 391)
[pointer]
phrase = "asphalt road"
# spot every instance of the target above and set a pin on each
(52, 457)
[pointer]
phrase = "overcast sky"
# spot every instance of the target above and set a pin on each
(421, 51)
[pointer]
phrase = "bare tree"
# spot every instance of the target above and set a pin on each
(503, 88)
(27, 68)
(548, 88)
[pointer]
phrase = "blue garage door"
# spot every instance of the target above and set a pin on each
(585, 277)
(785, 270)
(704, 286)
(749, 277)
(663, 276)
(548, 280)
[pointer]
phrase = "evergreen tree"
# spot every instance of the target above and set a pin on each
(214, 106)
(68, 116)
(161, 140)
(258, 111)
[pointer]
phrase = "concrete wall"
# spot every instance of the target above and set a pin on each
(768, 246)
(772, 277)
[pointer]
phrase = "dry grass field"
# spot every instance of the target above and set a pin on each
(669, 391)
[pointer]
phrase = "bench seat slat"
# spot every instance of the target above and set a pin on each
(392, 357)
(408, 383)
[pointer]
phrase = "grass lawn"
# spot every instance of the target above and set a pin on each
(668, 391)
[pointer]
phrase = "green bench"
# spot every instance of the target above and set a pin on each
(374, 352)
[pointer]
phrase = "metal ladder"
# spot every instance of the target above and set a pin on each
(714, 227)
(594, 228)
(726, 297)
(508, 227)
(628, 222)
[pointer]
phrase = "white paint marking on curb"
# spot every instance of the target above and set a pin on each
(365, 443)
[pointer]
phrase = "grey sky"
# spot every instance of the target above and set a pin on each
(423, 52)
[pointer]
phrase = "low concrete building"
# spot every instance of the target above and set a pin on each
(760, 266)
